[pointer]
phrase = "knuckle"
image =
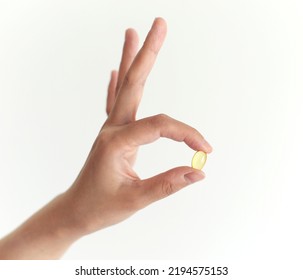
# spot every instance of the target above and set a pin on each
(131, 81)
(159, 119)
(107, 139)
(167, 188)
(104, 136)
(196, 132)
(128, 81)
(151, 49)
(162, 116)
(100, 141)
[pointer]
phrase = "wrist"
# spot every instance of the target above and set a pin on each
(67, 223)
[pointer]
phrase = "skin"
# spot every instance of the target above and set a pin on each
(107, 189)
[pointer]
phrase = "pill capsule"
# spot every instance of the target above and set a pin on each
(198, 160)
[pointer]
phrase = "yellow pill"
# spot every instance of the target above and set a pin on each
(198, 160)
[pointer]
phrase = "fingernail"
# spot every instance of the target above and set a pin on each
(193, 177)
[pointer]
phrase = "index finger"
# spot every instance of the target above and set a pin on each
(130, 93)
(150, 129)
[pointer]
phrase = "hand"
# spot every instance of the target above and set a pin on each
(107, 189)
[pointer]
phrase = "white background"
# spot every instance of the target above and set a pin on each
(232, 69)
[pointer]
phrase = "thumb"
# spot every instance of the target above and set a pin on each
(169, 182)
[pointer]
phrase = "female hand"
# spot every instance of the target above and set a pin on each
(107, 189)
